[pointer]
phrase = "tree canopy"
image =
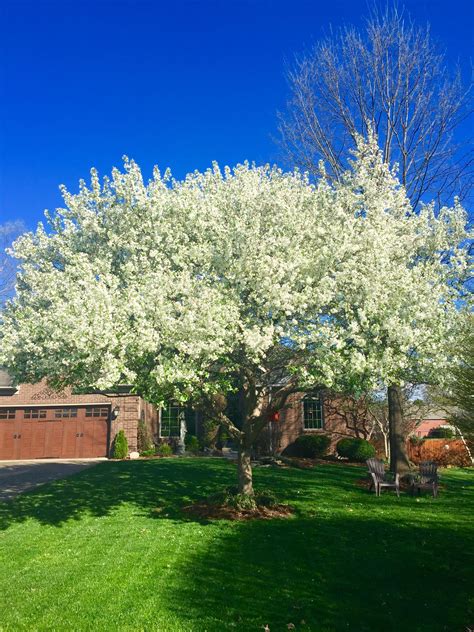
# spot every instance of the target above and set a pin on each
(189, 289)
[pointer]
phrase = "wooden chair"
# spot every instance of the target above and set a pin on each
(427, 478)
(379, 477)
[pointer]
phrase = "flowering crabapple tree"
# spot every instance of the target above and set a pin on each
(398, 302)
(185, 290)
(195, 289)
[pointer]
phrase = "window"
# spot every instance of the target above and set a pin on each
(171, 417)
(313, 413)
(65, 413)
(97, 411)
(34, 413)
(7, 413)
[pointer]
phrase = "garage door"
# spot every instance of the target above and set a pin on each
(38, 433)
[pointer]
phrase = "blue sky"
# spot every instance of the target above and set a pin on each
(177, 84)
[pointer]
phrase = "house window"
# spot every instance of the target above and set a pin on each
(313, 413)
(65, 413)
(34, 413)
(171, 417)
(97, 411)
(7, 413)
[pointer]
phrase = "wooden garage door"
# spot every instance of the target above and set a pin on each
(72, 432)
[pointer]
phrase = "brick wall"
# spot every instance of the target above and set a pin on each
(128, 407)
(290, 425)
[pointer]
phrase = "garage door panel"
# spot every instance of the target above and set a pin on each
(93, 438)
(8, 439)
(70, 439)
(25, 440)
(38, 440)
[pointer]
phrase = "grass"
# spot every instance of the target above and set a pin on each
(109, 549)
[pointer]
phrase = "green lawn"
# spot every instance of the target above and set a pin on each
(108, 549)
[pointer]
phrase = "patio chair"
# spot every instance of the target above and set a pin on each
(379, 477)
(427, 478)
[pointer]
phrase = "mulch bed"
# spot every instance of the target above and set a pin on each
(224, 512)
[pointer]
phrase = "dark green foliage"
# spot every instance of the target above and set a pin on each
(164, 450)
(441, 433)
(343, 447)
(192, 444)
(144, 442)
(414, 440)
(358, 450)
(120, 446)
(310, 446)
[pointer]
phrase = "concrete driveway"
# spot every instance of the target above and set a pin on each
(19, 476)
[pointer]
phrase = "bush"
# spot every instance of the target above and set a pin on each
(344, 446)
(164, 450)
(310, 446)
(150, 452)
(414, 440)
(358, 450)
(120, 446)
(441, 433)
(144, 442)
(192, 444)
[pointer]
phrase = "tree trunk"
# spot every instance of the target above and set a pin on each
(244, 467)
(399, 461)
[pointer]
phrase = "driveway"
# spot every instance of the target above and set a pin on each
(19, 476)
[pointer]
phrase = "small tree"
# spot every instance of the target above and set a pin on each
(120, 445)
(144, 441)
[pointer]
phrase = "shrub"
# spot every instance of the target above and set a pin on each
(343, 447)
(164, 450)
(192, 444)
(414, 440)
(144, 442)
(311, 446)
(358, 450)
(362, 451)
(120, 446)
(149, 452)
(441, 433)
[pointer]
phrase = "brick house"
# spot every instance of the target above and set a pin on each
(436, 419)
(38, 422)
(305, 413)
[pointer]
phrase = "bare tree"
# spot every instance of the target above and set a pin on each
(8, 232)
(390, 77)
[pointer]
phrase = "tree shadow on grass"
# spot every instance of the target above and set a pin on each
(393, 564)
(151, 484)
(160, 488)
(329, 575)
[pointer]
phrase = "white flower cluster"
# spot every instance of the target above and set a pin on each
(173, 285)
